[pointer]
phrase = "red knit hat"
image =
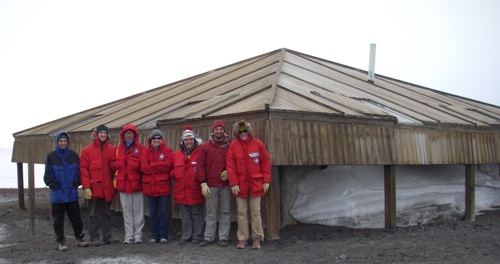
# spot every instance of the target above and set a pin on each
(217, 123)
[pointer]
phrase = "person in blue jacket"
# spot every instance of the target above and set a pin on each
(62, 176)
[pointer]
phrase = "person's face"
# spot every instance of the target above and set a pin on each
(63, 143)
(102, 135)
(129, 135)
(219, 133)
(156, 141)
(243, 135)
(189, 143)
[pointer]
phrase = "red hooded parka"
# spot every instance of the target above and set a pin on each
(128, 163)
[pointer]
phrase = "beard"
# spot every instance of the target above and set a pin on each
(218, 137)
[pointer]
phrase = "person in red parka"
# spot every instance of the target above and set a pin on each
(249, 174)
(129, 183)
(156, 163)
(187, 189)
(96, 174)
(212, 176)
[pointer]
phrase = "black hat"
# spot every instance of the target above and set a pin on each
(101, 128)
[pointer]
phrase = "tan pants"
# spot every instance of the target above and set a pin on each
(255, 219)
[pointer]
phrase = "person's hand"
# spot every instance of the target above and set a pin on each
(205, 190)
(223, 175)
(265, 186)
(235, 189)
(87, 193)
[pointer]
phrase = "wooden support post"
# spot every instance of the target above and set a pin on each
(20, 185)
(31, 197)
(273, 205)
(470, 185)
(390, 196)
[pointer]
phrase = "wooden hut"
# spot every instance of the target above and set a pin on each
(310, 112)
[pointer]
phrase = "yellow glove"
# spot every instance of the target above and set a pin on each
(205, 190)
(223, 175)
(235, 189)
(87, 193)
(265, 186)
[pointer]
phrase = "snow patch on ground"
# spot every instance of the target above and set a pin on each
(353, 196)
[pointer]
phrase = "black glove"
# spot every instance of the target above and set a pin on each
(55, 187)
(76, 184)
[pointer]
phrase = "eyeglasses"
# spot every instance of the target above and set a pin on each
(244, 131)
(156, 138)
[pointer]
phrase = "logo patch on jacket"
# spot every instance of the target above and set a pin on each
(255, 157)
(161, 157)
(136, 150)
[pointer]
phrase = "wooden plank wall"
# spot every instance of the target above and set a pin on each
(303, 142)
(293, 142)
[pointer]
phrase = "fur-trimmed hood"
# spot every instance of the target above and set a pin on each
(236, 127)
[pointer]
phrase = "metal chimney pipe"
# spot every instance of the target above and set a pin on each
(371, 67)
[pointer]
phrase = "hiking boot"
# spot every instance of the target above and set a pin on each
(256, 244)
(241, 244)
(82, 243)
(62, 246)
(163, 241)
(223, 243)
(196, 240)
(152, 241)
(109, 242)
(205, 243)
(127, 241)
(96, 243)
(183, 241)
(138, 241)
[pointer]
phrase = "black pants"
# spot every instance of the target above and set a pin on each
(99, 218)
(73, 211)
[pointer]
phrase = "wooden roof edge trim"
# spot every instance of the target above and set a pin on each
(274, 85)
(90, 114)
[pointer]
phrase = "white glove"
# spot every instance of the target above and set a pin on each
(235, 189)
(205, 190)
(223, 175)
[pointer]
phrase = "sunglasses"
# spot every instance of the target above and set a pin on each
(244, 131)
(156, 138)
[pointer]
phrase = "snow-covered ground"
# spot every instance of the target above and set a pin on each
(353, 196)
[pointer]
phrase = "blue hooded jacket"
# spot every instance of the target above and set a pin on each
(62, 174)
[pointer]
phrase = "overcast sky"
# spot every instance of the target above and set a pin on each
(61, 57)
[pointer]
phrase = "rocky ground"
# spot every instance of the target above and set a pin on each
(450, 241)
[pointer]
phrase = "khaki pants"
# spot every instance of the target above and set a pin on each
(255, 219)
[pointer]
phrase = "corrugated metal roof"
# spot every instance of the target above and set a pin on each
(282, 80)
